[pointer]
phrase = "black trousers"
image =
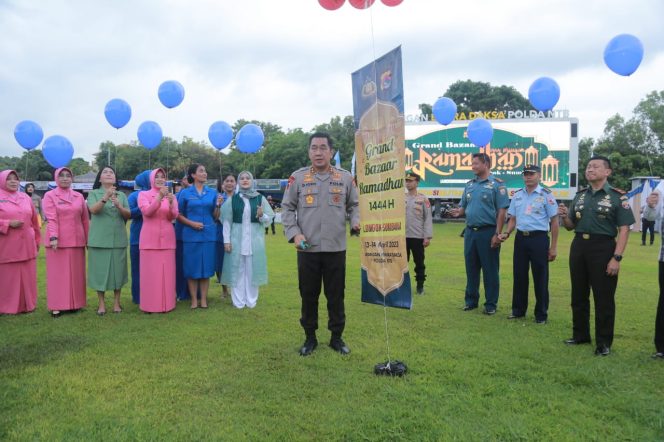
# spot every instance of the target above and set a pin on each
(416, 246)
(588, 259)
(531, 252)
(659, 321)
(330, 269)
(645, 227)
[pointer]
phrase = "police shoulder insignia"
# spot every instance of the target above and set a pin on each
(546, 190)
(290, 180)
(498, 180)
(582, 189)
(620, 191)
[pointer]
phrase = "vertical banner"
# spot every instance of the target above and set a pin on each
(380, 157)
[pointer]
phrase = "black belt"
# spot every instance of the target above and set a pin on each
(532, 233)
(476, 228)
(594, 236)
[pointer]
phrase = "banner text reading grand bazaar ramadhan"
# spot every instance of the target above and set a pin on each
(442, 156)
(380, 156)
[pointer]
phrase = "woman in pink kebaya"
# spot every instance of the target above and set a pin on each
(65, 241)
(19, 245)
(157, 245)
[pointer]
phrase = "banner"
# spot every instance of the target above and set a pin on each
(380, 164)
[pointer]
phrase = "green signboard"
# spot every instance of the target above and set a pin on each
(442, 156)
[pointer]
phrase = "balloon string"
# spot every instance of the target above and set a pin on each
(26, 166)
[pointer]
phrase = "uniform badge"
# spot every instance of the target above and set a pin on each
(336, 198)
(309, 199)
(625, 205)
(503, 191)
(578, 215)
(290, 180)
(308, 178)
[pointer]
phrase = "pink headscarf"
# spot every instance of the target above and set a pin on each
(3, 179)
(153, 174)
(56, 174)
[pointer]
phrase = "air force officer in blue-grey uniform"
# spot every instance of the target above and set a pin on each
(532, 211)
(484, 202)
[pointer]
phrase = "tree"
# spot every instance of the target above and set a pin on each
(425, 109)
(343, 135)
(473, 96)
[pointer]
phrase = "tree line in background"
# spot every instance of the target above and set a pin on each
(635, 146)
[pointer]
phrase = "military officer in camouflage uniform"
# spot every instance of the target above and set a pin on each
(484, 202)
(598, 213)
(419, 227)
(316, 202)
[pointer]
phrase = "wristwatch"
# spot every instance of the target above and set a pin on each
(617, 257)
(53, 238)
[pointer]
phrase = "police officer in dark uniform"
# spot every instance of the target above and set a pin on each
(598, 213)
(532, 211)
(484, 203)
(316, 202)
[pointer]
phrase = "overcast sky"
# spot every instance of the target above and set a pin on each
(288, 62)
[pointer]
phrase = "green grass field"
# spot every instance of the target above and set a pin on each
(226, 374)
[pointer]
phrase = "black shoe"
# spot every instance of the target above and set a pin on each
(420, 289)
(513, 316)
(540, 321)
(574, 341)
(602, 350)
(469, 307)
(338, 345)
(308, 347)
(658, 355)
(489, 311)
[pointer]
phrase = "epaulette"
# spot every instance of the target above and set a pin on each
(470, 181)
(519, 190)
(339, 169)
(546, 190)
(302, 169)
(498, 180)
(620, 191)
(582, 189)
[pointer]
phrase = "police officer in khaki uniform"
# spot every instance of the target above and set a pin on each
(316, 202)
(598, 213)
(419, 227)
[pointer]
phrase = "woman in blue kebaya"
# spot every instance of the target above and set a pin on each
(143, 183)
(225, 190)
(198, 212)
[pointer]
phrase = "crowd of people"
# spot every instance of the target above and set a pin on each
(180, 238)
(166, 227)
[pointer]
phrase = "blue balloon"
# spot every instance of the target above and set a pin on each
(623, 54)
(149, 134)
(220, 134)
(249, 138)
(117, 113)
(171, 93)
(544, 94)
(480, 132)
(58, 151)
(444, 110)
(28, 134)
